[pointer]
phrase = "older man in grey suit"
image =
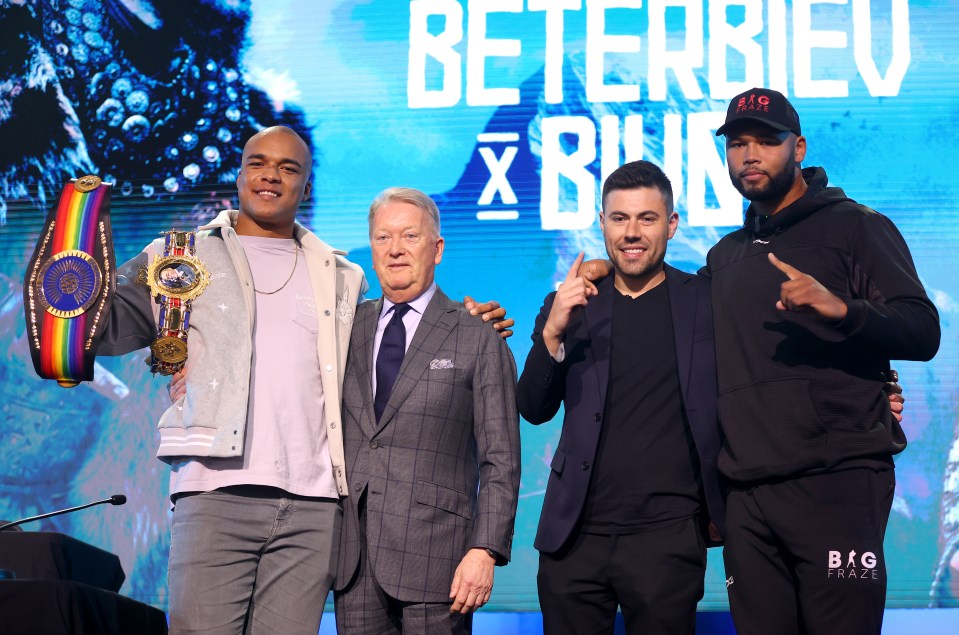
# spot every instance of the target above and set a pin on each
(432, 442)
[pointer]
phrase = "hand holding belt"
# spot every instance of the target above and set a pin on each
(70, 282)
(175, 280)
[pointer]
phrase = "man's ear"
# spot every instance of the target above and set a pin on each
(800, 153)
(307, 190)
(673, 223)
(440, 245)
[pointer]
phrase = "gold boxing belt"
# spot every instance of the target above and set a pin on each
(175, 279)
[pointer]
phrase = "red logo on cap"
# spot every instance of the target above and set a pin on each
(751, 104)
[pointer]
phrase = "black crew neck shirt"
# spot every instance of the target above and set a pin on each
(646, 473)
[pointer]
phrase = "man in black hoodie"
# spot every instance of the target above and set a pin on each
(811, 300)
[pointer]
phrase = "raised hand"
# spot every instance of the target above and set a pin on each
(803, 294)
(574, 292)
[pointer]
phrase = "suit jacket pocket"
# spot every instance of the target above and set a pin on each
(443, 498)
(559, 460)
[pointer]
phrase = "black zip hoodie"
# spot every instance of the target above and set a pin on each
(800, 395)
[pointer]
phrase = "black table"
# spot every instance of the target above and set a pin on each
(64, 585)
(47, 555)
(51, 607)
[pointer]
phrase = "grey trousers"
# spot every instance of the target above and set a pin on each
(251, 559)
(364, 608)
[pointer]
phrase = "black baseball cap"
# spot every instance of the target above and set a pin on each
(765, 106)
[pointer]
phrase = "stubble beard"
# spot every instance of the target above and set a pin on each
(636, 270)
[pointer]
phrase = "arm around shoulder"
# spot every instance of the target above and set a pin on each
(892, 310)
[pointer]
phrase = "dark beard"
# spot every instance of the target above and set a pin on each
(778, 186)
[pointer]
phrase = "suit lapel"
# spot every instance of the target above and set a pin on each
(361, 350)
(682, 307)
(437, 322)
(598, 318)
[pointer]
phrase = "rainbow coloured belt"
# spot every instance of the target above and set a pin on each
(70, 282)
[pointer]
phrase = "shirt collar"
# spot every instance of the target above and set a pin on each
(418, 303)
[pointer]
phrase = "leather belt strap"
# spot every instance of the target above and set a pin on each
(70, 282)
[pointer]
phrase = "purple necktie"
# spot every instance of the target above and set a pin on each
(390, 357)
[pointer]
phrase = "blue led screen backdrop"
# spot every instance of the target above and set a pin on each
(510, 113)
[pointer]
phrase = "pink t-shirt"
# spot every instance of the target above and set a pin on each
(286, 443)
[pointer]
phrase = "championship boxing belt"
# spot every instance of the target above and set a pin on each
(70, 283)
(175, 279)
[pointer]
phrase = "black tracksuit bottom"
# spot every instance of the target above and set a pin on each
(805, 555)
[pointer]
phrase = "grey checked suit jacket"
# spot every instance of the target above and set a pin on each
(440, 472)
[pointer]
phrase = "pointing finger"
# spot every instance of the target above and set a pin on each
(574, 270)
(791, 272)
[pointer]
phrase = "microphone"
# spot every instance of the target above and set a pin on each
(116, 499)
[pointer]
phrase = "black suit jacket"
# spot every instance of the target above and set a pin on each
(581, 380)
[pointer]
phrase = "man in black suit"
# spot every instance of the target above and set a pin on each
(633, 495)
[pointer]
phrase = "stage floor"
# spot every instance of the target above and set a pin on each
(896, 622)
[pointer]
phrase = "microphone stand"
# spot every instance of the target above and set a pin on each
(116, 499)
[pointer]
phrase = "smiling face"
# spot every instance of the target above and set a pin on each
(636, 226)
(273, 180)
(405, 248)
(764, 165)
